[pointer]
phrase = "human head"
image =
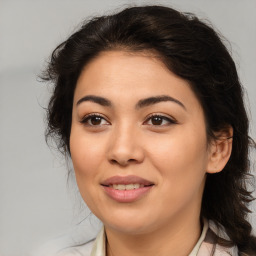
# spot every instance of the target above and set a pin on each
(193, 51)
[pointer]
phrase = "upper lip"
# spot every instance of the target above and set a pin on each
(125, 180)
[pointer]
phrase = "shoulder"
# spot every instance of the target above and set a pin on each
(77, 241)
(78, 250)
(83, 249)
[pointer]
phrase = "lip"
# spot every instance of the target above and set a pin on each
(130, 179)
(126, 196)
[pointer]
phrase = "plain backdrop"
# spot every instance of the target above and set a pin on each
(37, 204)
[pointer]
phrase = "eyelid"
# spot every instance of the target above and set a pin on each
(171, 120)
(88, 116)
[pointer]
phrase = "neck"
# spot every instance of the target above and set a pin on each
(177, 238)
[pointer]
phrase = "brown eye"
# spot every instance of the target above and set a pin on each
(94, 120)
(158, 120)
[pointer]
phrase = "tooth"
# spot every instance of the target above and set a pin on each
(121, 187)
(129, 187)
(136, 186)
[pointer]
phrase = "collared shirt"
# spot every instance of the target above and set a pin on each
(204, 247)
(99, 246)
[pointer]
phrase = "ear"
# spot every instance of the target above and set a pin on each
(220, 150)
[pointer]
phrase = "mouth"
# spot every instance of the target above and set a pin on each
(129, 182)
(128, 186)
(126, 189)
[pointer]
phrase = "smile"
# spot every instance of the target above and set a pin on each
(126, 189)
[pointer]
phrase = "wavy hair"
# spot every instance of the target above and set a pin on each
(194, 51)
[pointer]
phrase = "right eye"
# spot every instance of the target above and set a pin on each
(94, 120)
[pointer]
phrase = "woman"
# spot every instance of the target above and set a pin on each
(148, 105)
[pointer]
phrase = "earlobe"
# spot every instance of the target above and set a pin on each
(220, 150)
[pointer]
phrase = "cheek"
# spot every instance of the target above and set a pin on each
(86, 154)
(86, 157)
(181, 163)
(181, 157)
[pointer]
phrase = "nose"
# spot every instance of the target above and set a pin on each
(125, 147)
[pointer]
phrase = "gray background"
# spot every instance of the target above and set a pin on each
(36, 202)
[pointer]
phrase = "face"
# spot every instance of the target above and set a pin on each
(138, 143)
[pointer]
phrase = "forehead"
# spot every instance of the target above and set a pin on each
(127, 75)
(124, 67)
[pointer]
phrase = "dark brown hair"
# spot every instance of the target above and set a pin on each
(194, 51)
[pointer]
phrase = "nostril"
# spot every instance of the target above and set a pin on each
(122, 162)
(113, 161)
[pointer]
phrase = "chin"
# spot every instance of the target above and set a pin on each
(134, 224)
(128, 228)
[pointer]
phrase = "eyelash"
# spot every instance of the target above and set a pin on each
(90, 116)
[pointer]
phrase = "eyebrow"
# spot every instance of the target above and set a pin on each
(96, 99)
(156, 99)
(141, 103)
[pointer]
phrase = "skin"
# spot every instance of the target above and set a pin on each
(175, 156)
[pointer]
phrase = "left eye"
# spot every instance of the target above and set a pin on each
(158, 120)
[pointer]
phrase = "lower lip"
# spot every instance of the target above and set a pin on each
(126, 196)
